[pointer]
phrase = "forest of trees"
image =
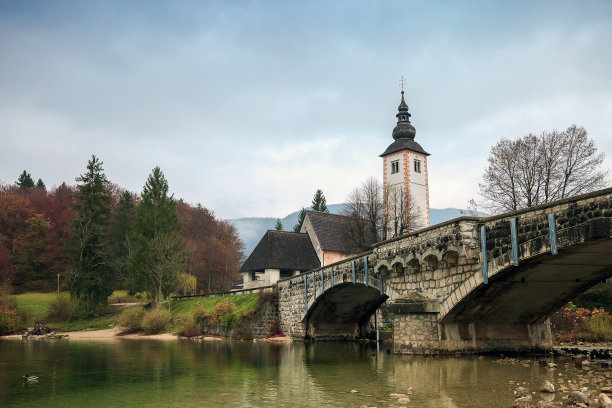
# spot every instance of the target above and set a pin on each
(98, 228)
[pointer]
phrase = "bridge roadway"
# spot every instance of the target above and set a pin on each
(469, 284)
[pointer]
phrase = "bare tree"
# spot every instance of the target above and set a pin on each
(364, 205)
(539, 169)
(400, 215)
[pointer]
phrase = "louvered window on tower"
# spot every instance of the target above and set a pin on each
(394, 166)
(417, 166)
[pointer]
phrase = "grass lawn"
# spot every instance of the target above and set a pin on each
(245, 304)
(125, 298)
(95, 323)
(36, 306)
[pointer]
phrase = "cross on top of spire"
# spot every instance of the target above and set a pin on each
(401, 82)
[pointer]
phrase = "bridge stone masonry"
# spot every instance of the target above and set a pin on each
(471, 284)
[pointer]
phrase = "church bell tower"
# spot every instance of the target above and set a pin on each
(405, 179)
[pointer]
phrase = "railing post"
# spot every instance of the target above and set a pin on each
(553, 234)
(365, 267)
(305, 294)
(322, 282)
(513, 235)
(485, 264)
(380, 284)
(353, 267)
(314, 286)
(331, 275)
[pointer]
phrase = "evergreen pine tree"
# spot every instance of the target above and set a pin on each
(319, 203)
(40, 184)
(297, 227)
(25, 180)
(91, 276)
(121, 228)
(158, 255)
(279, 225)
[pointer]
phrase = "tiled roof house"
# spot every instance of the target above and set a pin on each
(330, 235)
(279, 254)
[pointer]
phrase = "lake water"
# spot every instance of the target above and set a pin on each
(183, 373)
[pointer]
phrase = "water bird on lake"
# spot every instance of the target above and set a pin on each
(30, 378)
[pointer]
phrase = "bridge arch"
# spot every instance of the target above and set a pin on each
(342, 300)
(519, 299)
(342, 311)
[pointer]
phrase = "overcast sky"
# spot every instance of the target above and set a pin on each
(249, 107)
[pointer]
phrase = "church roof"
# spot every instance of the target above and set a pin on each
(404, 133)
(282, 250)
(404, 144)
(333, 232)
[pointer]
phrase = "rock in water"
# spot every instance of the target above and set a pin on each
(522, 402)
(522, 392)
(547, 386)
(604, 401)
(545, 404)
(576, 397)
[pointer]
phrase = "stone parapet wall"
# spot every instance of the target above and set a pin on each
(573, 220)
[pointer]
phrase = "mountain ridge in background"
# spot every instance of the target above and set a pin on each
(252, 229)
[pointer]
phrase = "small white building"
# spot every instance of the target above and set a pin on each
(279, 254)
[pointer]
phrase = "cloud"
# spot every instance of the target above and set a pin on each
(249, 107)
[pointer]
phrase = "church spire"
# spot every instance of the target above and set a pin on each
(404, 128)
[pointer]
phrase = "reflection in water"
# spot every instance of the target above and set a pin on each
(245, 374)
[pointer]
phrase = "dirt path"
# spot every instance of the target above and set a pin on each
(103, 335)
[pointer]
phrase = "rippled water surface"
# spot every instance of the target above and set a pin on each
(132, 373)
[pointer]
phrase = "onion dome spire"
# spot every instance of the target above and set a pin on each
(404, 128)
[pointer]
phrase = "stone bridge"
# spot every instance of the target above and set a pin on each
(469, 284)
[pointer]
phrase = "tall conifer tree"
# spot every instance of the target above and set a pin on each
(298, 226)
(91, 276)
(279, 225)
(319, 203)
(25, 180)
(121, 229)
(158, 254)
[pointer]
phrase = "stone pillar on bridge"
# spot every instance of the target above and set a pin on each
(415, 325)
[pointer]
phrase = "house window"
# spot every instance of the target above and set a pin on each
(395, 166)
(417, 166)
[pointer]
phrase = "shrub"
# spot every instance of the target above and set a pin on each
(131, 319)
(274, 327)
(63, 308)
(598, 326)
(223, 316)
(201, 318)
(182, 324)
(156, 321)
(6, 297)
(266, 296)
(571, 323)
(11, 320)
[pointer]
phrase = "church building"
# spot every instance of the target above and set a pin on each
(406, 190)
(325, 238)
